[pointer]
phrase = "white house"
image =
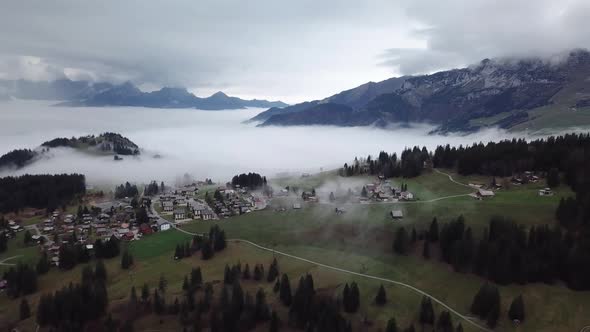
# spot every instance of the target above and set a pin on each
(545, 192)
(485, 193)
(397, 214)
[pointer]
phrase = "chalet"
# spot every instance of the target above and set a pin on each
(167, 206)
(406, 196)
(397, 214)
(485, 193)
(207, 215)
(545, 192)
(179, 214)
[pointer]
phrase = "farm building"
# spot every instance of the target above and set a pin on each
(397, 214)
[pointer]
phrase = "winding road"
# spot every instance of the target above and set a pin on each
(2, 262)
(467, 319)
(368, 276)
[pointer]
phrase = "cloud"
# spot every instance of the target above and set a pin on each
(294, 50)
(204, 144)
(458, 33)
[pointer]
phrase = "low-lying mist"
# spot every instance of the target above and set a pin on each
(204, 144)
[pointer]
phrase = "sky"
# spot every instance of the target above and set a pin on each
(287, 50)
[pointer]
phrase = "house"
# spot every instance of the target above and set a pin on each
(167, 206)
(545, 192)
(207, 215)
(179, 214)
(485, 193)
(297, 206)
(406, 195)
(397, 214)
(164, 227)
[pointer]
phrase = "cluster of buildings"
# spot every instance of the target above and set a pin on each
(524, 178)
(234, 202)
(384, 191)
(183, 206)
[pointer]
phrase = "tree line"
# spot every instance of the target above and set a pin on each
(74, 305)
(17, 158)
(251, 181)
(411, 164)
(126, 190)
(507, 252)
(39, 191)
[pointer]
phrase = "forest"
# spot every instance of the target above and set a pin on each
(251, 181)
(39, 191)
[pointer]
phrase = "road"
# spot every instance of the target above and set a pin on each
(7, 259)
(363, 275)
(451, 178)
(368, 276)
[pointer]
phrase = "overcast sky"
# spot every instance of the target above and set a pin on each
(288, 50)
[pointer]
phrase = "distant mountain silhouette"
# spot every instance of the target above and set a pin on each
(84, 93)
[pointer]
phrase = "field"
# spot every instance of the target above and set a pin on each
(359, 240)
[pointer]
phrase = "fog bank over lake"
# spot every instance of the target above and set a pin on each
(204, 144)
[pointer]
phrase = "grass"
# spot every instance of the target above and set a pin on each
(360, 240)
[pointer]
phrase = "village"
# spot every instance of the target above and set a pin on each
(131, 218)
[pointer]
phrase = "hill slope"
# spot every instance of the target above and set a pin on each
(504, 93)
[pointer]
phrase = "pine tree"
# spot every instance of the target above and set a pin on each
(381, 297)
(426, 250)
(273, 271)
(100, 271)
(401, 244)
(391, 325)
(445, 322)
(145, 293)
(43, 264)
(277, 286)
(274, 322)
(426, 311)
(516, 311)
(25, 310)
(133, 295)
(246, 273)
(433, 231)
(162, 284)
(285, 290)
(196, 277)
(354, 297)
(185, 284)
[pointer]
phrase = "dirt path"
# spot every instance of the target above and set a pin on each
(368, 276)
(2, 262)
(451, 178)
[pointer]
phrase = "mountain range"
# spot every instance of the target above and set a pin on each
(508, 93)
(85, 93)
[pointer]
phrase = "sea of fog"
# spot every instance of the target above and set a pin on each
(203, 144)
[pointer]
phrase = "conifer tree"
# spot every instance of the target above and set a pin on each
(25, 310)
(285, 290)
(516, 311)
(426, 311)
(381, 297)
(391, 325)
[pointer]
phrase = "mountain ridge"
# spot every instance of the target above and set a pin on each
(505, 93)
(99, 94)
